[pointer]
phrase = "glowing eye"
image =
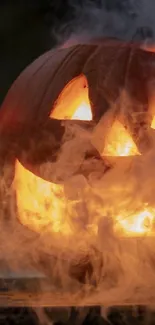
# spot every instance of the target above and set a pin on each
(73, 102)
(113, 140)
(119, 142)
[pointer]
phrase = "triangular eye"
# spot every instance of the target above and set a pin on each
(119, 142)
(73, 101)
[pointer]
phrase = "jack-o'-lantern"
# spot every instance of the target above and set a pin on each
(77, 121)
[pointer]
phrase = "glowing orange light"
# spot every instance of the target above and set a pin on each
(83, 113)
(38, 201)
(153, 123)
(73, 102)
(137, 224)
(42, 205)
(119, 142)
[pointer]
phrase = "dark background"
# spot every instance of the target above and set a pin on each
(30, 27)
(24, 35)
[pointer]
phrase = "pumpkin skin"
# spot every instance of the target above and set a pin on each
(109, 67)
(34, 93)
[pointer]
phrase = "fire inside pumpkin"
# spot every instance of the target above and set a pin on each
(42, 205)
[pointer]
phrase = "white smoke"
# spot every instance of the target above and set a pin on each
(123, 268)
(116, 269)
(123, 19)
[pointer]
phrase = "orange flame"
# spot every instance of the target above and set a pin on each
(119, 142)
(38, 201)
(83, 113)
(42, 205)
(39, 206)
(137, 224)
(73, 102)
(153, 123)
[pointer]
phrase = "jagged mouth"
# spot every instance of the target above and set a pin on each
(45, 172)
(133, 219)
(89, 166)
(39, 149)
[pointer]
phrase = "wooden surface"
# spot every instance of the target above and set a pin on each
(29, 299)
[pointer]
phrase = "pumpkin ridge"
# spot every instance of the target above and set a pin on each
(75, 74)
(59, 68)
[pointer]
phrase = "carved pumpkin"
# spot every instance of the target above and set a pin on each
(100, 90)
(80, 82)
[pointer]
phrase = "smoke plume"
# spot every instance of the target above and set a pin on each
(92, 262)
(123, 19)
(85, 258)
